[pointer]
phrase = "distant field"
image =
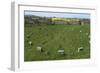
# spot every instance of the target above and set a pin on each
(53, 37)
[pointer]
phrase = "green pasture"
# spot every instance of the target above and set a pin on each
(53, 37)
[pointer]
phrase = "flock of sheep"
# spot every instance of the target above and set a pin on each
(60, 51)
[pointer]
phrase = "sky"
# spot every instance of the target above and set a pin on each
(58, 14)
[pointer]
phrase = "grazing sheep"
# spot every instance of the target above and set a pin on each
(30, 42)
(40, 49)
(61, 51)
(80, 49)
(80, 30)
(86, 33)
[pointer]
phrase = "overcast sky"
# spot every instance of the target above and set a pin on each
(58, 14)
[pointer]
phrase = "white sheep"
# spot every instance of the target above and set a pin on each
(39, 49)
(61, 51)
(30, 42)
(80, 49)
(86, 33)
(80, 30)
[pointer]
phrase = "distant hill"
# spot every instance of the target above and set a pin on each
(31, 20)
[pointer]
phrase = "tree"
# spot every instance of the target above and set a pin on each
(80, 22)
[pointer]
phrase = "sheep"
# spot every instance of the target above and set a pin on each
(86, 33)
(61, 51)
(80, 30)
(40, 49)
(30, 42)
(80, 49)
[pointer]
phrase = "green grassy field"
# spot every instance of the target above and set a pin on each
(53, 37)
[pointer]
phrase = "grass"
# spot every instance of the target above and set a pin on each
(54, 37)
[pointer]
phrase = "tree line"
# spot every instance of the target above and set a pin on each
(37, 20)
